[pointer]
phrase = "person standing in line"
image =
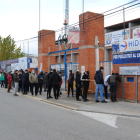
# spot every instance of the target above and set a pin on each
(9, 78)
(20, 81)
(112, 80)
(40, 82)
(55, 79)
(2, 80)
(99, 85)
(49, 84)
(26, 82)
(45, 82)
(78, 85)
(16, 80)
(106, 87)
(70, 83)
(34, 83)
(60, 83)
(85, 79)
(13, 78)
(5, 78)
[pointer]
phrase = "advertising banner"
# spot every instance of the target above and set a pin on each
(136, 33)
(129, 45)
(129, 70)
(74, 35)
(126, 58)
(115, 37)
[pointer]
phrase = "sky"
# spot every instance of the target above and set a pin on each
(20, 18)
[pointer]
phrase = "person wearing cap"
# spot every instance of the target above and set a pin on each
(16, 80)
(49, 84)
(70, 83)
(9, 78)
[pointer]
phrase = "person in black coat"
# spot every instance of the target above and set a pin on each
(86, 80)
(20, 81)
(55, 79)
(40, 81)
(6, 80)
(26, 82)
(70, 82)
(78, 85)
(49, 84)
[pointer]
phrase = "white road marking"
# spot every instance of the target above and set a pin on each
(104, 118)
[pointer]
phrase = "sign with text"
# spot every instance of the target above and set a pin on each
(126, 58)
(129, 70)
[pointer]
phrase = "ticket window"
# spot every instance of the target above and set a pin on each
(130, 79)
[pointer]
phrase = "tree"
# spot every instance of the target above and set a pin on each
(8, 49)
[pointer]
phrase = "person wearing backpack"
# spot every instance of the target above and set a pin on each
(2, 80)
(9, 78)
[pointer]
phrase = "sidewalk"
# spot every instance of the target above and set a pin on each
(117, 108)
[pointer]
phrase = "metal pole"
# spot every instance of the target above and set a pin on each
(39, 15)
(123, 87)
(28, 48)
(136, 89)
(65, 62)
(83, 17)
(124, 21)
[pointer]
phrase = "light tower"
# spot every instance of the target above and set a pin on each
(66, 20)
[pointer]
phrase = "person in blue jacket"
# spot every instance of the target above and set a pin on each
(40, 82)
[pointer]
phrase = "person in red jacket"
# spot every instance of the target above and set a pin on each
(9, 78)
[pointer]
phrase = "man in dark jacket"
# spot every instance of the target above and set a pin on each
(86, 80)
(26, 82)
(40, 81)
(70, 82)
(99, 85)
(6, 80)
(20, 81)
(45, 82)
(112, 80)
(55, 79)
(49, 84)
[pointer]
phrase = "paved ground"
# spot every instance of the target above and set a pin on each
(24, 117)
(117, 108)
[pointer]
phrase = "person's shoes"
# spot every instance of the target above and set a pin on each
(68, 96)
(78, 100)
(59, 96)
(50, 97)
(72, 95)
(47, 97)
(60, 93)
(97, 101)
(23, 93)
(15, 95)
(45, 91)
(35, 94)
(84, 100)
(40, 93)
(87, 100)
(103, 101)
(107, 100)
(116, 101)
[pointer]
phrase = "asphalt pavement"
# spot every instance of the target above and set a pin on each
(26, 117)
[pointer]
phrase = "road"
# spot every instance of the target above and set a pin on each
(24, 118)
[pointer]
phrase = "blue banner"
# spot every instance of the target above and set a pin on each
(126, 58)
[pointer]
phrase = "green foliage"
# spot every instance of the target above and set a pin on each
(8, 49)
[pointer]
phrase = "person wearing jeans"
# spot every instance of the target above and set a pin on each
(16, 81)
(99, 85)
(45, 82)
(112, 80)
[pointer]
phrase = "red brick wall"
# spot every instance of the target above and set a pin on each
(76, 58)
(110, 55)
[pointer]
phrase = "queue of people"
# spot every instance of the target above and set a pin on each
(26, 81)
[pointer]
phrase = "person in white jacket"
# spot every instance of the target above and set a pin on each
(106, 87)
